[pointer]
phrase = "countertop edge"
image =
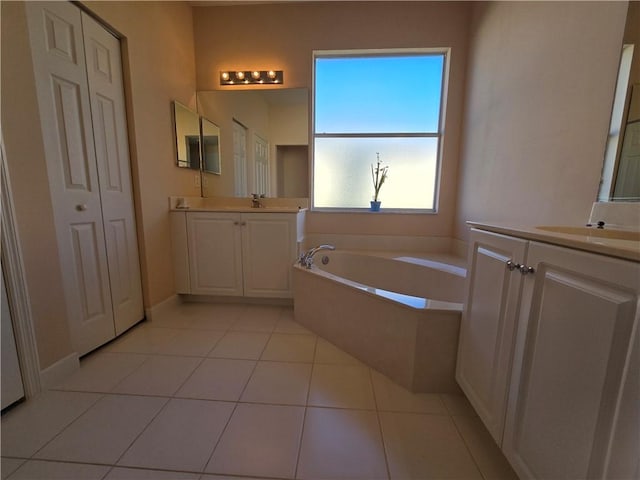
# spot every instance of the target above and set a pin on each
(623, 249)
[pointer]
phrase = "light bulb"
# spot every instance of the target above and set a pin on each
(225, 76)
(255, 74)
(271, 74)
(239, 75)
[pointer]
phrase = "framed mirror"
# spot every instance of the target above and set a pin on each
(187, 136)
(210, 147)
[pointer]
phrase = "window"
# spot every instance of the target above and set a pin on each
(389, 103)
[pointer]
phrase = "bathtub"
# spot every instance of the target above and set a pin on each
(399, 314)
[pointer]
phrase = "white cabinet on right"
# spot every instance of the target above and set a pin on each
(553, 367)
(577, 324)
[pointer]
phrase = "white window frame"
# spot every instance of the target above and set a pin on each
(440, 134)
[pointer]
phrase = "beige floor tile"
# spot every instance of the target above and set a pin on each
(170, 318)
(181, 437)
(225, 477)
(105, 431)
(255, 324)
(242, 345)
(120, 473)
(143, 339)
(424, 447)
(212, 323)
(159, 375)
(393, 398)
(327, 352)
(9, 465)
(342, 386)
(44, 470)
(102, 371)
(28, 427)
(290, 348)
(262, 312)
(287, 325)
(260, 440)
(192, 343)
(279, 383)
(218, 379)
(341, 444)
(458, 405)
(488, 457)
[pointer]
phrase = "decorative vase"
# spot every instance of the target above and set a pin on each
(375, 205)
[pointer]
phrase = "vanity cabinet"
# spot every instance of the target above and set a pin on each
(488, 325)
(235, 253)
(556, 379)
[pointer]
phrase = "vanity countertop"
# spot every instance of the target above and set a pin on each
(238, 209)
(237, 205)
(623, 244)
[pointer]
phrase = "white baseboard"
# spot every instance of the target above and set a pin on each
(55, 374)
(158, 308)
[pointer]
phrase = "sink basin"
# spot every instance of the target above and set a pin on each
(611, 233)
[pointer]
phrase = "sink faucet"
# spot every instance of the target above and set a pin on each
(255, 200)
(306, 259)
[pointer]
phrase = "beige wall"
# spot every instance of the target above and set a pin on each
(159, 67)
(30, 187)
(283, 37)
(540, 84)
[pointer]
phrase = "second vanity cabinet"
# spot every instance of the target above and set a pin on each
(235, 253)
(549, 357)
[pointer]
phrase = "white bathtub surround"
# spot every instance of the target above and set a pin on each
(399, 314)
(618, 214)
(381, 243)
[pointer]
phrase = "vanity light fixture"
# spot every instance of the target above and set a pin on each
(251, 77)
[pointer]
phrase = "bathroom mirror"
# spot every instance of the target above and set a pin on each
(187, 136)
(210, 147)
(264, 138)
(621, 170)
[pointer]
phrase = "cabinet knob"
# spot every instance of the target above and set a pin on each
(524, 270)
(242, 224)
(511, 266)
(81, 207)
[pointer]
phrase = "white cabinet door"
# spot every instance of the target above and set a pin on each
(573, 352)
(488, 325)
(215, 255)
(57, 48)
(104, 70)
(269, 251)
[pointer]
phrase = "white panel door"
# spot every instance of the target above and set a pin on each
(488, 325)
(261, 166)
(104, 70)
(55, 32)
(215, 253)
(573, 351)
(240, 159)
(12, 389)
(269, 252)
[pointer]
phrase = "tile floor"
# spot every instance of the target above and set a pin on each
(234, 391)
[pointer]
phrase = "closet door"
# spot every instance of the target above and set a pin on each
(55, 32)
(104, 70)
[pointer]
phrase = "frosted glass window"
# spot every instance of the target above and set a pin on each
(377, 103)
(342, 172)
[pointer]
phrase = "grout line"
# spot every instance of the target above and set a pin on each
(65, 427)
(306, 408)
(468, 447)
(384, 446)
(235, 407)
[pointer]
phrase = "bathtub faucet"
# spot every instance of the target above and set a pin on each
(306, 259)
